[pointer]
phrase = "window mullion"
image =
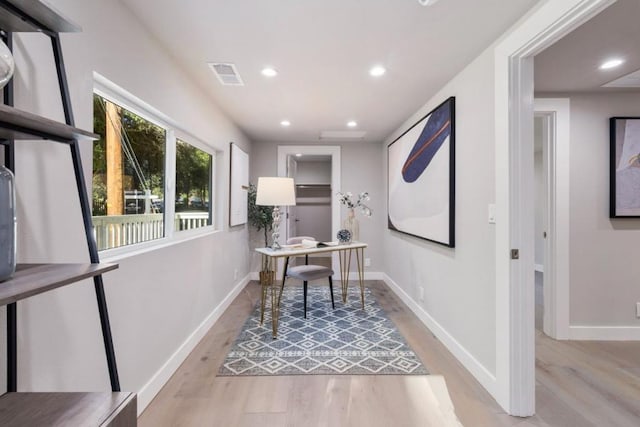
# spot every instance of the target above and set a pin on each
(170, 185)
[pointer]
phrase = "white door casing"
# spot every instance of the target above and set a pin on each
(556, 112)
(515, 345)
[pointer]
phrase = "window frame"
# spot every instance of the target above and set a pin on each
(117, 95)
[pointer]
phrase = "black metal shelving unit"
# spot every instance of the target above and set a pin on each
(34, 16)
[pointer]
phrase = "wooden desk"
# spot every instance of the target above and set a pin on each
(344, 254)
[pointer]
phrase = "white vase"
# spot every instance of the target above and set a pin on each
(351, 223)
(7, 224)
(7, 65)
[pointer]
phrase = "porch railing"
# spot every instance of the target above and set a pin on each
(120, 230)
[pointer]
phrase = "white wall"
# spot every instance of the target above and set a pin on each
(360, 172)
(156, 299)
(313, 173)
(604, 275)
(459, 284)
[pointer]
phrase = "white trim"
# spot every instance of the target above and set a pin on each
(368, 275)
(477, 369)
(336, 177)
(118, 95)
(160, 378)
(604, 333)
(513, 115)
(117, 254)
(539, 268)
(557, 256)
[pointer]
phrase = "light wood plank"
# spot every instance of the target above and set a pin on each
(34, 279)
(67, 409)
(195, 396)
(41, 12)
(19, 124)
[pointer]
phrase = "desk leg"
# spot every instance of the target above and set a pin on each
(284, 277)
(267, 277)
(360, 261)
(275, 300)
(345, 263)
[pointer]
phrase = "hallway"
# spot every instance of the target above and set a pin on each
(578, 384)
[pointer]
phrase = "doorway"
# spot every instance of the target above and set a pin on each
(551, 237)
(287, 166)
(311, 216)
(514, 111)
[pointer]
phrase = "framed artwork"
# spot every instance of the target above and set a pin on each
(238, 186)
(421, 178)
(624, 167)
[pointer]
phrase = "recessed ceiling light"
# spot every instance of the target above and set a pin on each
(352, 123)
(612, 63)
(269, 72)
(299, 155)
(377, 71)
(285, 123)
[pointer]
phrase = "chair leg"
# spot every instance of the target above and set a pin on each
(333, 305)
(305, 299)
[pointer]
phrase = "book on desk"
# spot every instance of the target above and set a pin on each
(308, 244)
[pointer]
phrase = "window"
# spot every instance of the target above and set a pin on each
(135, 151)
(128, 176)
(193, 187)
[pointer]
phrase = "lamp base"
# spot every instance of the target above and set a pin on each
(276, 229)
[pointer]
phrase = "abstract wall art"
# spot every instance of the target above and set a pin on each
(238, 186)
(421, 177)
(624, 194)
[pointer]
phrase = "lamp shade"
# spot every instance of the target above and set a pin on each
(275, 191)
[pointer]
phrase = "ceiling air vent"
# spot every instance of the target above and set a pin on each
(226, 73)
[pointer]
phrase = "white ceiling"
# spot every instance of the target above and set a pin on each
(572, 63)
(323, 50)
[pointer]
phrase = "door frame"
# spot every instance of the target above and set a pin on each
(556, 152)
(515, 298)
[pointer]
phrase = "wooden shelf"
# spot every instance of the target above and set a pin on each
(34, 279)
(41, 11)
(68, 409)
(18, 124)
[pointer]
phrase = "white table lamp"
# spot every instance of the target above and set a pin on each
(276, 192)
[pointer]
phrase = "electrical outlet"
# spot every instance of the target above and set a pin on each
(367, 262)
(421, 294)
(638, 310)
(235, 274)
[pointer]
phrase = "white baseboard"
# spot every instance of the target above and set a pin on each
(353, 275)
(604, 333)
(482, 374)
(155, 384)
(368, 275)
(539, 267)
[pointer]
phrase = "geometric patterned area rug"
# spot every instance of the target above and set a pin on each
(344, 341)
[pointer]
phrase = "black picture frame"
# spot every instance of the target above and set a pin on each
(428, 143)
(624, 167)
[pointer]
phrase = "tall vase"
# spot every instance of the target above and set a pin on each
(6, 64)
(351, 223)
(7, 224)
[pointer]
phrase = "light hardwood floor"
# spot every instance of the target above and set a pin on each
(579, 384)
